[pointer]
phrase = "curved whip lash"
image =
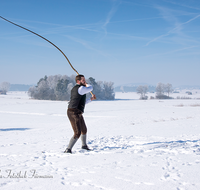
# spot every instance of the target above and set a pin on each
(46, 40)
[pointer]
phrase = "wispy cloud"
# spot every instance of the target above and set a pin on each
(169, 16)
(173, 51)
(128, 37)
(183, 5)
(111, 13)
(191, 19)
(179, 50)
(139, 19)
(86, 44)
(57, 28)
(62, 29)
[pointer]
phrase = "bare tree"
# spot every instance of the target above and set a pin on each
(168, 88)
(108, 90)
(160, 89)
(142, 90)
(4, 86)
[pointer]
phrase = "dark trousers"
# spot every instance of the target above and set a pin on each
(77, 121)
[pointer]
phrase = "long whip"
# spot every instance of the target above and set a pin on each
(46, 40)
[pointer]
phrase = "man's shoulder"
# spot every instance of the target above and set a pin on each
(76, 86)
(75, 89)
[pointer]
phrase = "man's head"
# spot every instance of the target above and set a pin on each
(80, 79)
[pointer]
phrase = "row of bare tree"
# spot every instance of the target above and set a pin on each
(161, 90)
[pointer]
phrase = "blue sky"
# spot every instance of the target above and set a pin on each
(123, 41)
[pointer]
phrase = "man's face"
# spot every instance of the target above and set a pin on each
(82, 81)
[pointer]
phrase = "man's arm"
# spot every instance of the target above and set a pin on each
(89, 100)
(85, 89)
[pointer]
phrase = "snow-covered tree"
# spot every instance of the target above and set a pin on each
(142, 90)
(59, 87)
(4, 87)
(97, 87)
(160, 88)
(168, 88)
(108, 88)
(62, 92)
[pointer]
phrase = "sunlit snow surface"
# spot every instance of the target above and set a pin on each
(137, 144)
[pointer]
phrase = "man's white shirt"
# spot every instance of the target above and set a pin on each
(84, 90)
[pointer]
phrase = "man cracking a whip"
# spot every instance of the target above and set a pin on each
(77, 101)
(75, 111)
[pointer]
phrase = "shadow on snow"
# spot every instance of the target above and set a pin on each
(15, 129)
(174, 142)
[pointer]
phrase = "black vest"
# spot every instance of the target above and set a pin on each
(77, 101)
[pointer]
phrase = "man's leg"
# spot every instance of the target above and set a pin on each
(83, 139)
(72, 142)
(83, 134)
(74, 118)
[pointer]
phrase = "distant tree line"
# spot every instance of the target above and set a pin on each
(161, 91)
(59, 87)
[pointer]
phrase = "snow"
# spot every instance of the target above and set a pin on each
(137, 144)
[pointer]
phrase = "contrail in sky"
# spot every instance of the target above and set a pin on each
(169, 32)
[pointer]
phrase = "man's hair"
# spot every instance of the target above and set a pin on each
(78, 77)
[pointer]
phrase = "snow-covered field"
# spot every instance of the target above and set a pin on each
(137, 144)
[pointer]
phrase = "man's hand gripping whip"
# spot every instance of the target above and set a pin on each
(47, 41)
